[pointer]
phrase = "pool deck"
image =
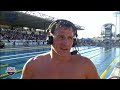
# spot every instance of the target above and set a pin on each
(116, 72)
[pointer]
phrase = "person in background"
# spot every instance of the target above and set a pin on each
(2, 44)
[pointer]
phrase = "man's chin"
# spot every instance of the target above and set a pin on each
(63, 54)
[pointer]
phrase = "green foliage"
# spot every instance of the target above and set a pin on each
(118, 35)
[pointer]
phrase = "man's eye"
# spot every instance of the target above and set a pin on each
(70, 37)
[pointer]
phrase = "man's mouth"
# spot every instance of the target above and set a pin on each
(63, 48)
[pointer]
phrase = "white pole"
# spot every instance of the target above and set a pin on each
(116, 26)
(118, 13)
(119, 22)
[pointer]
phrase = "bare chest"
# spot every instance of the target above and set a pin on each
(60, 71)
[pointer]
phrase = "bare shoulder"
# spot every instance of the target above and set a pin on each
(88, 66)
(30, 66)
(37, 59)
(83, 59)
(33, 62)
(86, 61)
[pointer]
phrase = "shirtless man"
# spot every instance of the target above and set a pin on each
(59, 63)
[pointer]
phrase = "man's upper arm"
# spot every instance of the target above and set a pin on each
(92, 71)
(27, 72)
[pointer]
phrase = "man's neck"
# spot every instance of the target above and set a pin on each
(59, 58)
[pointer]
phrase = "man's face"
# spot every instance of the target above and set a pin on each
(63, 41)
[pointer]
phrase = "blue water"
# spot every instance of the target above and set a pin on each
(17, 58)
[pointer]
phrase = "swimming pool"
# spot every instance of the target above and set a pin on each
(102, 57)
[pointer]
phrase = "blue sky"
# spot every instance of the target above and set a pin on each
(91, 20)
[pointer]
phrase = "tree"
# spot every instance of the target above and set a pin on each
(118, 35)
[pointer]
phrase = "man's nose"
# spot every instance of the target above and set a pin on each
(66, 42)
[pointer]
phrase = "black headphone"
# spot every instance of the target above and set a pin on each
(62, 22)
